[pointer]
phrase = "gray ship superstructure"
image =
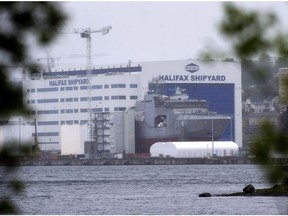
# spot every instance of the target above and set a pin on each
(161, 118)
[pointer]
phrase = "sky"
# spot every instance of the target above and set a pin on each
(145, 30)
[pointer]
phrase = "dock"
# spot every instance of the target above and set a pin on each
(143, 161)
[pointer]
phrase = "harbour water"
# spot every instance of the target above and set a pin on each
(150, 189)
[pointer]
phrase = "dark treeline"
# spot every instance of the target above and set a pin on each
(258, 76)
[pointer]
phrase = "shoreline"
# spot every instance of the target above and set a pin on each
(141, 161)
(275, 191)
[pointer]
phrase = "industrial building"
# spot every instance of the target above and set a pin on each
(105, 100)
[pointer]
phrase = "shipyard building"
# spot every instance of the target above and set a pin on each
(60, 102)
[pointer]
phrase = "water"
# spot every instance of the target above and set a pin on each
(161, 190)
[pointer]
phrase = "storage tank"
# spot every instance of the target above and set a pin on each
(194, 149)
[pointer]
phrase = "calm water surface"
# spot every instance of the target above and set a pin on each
(171, 189)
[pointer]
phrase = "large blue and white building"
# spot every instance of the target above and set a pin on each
(62, 97)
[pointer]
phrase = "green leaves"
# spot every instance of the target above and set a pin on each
(273, 143)
(20, 23)
(252, 33)
(249, 31)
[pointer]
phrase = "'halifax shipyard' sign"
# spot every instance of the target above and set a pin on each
(68, 82)
(192, 68)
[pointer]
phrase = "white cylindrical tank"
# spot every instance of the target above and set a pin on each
(194, 149)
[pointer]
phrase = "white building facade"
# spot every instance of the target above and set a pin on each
(62, 97)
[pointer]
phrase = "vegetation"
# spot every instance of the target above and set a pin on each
(253, 33)
(22, 25)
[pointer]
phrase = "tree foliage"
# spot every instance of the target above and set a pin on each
(22, 24)
(253, 33)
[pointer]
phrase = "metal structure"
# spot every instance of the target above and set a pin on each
(86, 34)
(99, 125)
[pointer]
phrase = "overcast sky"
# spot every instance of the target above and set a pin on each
(146, 31)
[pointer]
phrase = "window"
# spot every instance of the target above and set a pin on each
(106, 86)
(47, 89)
(69, 122)
(106, 97)
(69, 88)
(96, 86)
(98, 98)
(48, 123)
(83, 122)
(28, 90)
(83, 87)
(76, 110)
(75, 87)
(62, 111)
(118, 85)
(69, 99)
(106, 109)
(133, 85)
(52, 100)
(28, 101)
(69, 110)
(133, 97)
(97, 110)
(62, 100)
(83, 110)
(119, 108)
(62, 89)
(84, 99)
(47, 112)
(118, 97)
(32, 90)
(32, 101)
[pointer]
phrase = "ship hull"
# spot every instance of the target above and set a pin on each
(193, 128)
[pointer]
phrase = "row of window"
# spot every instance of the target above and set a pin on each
(68, 111)
(97, 98)
(75, 88)
(62, 122)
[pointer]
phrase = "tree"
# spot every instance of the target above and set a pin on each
(253, 33)
(21, 23)
(280, 63)
(228, 60)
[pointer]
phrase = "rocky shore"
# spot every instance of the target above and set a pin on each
(276, 190)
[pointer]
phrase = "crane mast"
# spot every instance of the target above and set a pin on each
(86, 33)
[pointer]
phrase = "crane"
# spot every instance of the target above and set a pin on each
(86, 34)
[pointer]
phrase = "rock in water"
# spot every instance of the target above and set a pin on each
(205, 195)
(249, 189)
